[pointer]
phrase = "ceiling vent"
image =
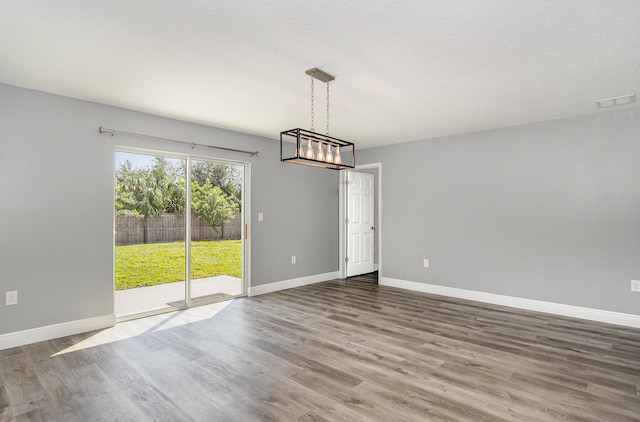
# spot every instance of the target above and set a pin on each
(616, 101)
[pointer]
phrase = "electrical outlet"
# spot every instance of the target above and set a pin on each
(426, 263)
(635, 285)
(11, 298)
(293, 259)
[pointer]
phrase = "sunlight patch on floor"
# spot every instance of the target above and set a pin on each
(133, 328)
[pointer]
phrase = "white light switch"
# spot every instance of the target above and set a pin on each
(260, 216)
(635, 285)
(293, 259)
(426, 263)
(12, 298)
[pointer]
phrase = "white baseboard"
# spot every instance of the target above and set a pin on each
(288, 284)
(628, 320)
(35, 335)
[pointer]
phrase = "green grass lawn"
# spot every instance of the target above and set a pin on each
(160, 263)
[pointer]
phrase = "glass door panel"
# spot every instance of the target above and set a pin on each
(216, 270)
(150, 233)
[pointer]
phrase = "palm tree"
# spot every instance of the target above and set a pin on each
(149, 192)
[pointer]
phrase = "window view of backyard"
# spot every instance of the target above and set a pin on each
(151, 229)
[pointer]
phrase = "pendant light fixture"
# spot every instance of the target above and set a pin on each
(300, 146)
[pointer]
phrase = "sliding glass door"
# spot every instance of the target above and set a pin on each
(179, 232)
(216, 231)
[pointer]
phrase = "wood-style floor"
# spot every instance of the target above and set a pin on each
(343, 350)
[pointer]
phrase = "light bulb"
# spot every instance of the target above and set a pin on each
(329, 157)
(309, 150)
(338, 158)
(320, 152)
(300, 151)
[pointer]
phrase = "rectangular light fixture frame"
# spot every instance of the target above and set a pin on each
(300, 138)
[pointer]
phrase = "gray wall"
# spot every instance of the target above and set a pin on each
(56, 171)
(547, 211)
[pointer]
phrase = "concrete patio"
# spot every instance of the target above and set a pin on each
(144, 299)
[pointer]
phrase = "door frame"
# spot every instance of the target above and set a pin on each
(342, 216)
(245, 212)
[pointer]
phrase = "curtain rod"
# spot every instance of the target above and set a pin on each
(114, 132)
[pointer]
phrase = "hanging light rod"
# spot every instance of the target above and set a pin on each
(312, 148)
(319, 75)
(114, 132)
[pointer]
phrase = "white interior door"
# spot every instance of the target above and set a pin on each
(360, 228)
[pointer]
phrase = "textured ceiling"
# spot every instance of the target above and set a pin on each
(404, 70)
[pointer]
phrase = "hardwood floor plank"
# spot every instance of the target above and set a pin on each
(151, 402)
(310, 364)
(568, 402)
(312, 417)
(352, 399)
(23, 389)
(55, 377)
(176, 378)
(5, 408)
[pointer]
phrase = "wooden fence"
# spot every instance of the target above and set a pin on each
(171, 228)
